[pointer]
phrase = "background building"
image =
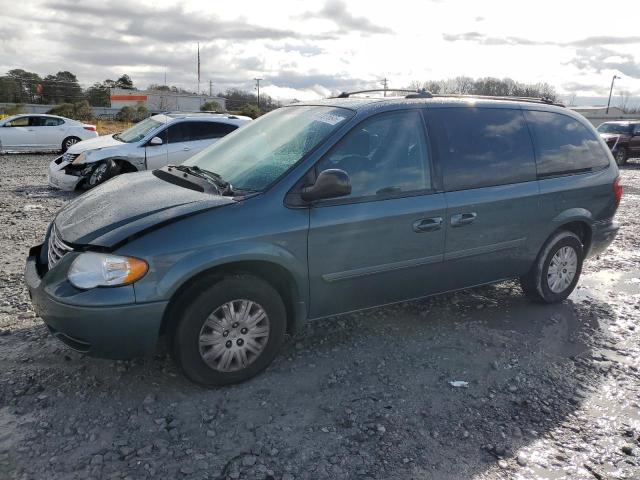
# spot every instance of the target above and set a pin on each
(597, 115)
(160, 100)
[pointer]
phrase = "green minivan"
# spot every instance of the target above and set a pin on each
(318, 209)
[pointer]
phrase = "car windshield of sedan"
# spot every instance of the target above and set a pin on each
(138, 131)
(614, 128)
(253, 157)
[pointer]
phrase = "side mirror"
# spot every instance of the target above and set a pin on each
(330, 183)
(155, 141)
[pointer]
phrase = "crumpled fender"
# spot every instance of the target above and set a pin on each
(101, 154)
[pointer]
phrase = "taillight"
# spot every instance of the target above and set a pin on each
(617, 190)
(91, 128)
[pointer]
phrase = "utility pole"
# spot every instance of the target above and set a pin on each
(610, 92)
(210, 88)
(198, 91)
(384, 84)
(258, 88)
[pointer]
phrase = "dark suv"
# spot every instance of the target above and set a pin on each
(323, 208)
(623, 138)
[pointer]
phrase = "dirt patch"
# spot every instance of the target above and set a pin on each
(552, 391)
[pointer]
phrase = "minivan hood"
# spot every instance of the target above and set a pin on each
(94, 143)
(127, 205)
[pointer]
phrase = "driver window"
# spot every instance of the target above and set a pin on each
(19, 122)
(384, 156)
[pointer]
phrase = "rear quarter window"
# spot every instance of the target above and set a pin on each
(563, 145)
(482, 147)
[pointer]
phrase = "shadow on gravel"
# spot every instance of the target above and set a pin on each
(366, 395)
(43, 191)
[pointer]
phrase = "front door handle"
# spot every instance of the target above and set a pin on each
(461, 219)
(427, 224)
(186, 149)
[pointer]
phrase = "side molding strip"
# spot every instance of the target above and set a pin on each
(494, 247)
(385, 267)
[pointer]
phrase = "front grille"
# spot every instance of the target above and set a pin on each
(67, 157)
(56, 247)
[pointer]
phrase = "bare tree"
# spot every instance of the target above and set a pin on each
(489, 86)
(625, 100)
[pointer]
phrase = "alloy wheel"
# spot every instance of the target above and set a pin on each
(98, 174)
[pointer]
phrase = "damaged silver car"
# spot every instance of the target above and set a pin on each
(157, 141)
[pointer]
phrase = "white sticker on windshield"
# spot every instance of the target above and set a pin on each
(329, 118)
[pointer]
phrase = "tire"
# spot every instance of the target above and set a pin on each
(538, 284)
(621, 156)
(68, 142)
(102, 172)
(206, 318)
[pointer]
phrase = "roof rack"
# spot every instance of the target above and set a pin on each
(411, 93)
(187, 112)
(545, 100)
(422, 93)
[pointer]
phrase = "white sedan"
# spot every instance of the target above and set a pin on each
(39, 132)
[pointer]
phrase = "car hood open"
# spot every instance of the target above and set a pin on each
(93, 144)
(127, 205)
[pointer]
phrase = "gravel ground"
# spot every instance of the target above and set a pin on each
(553, 391)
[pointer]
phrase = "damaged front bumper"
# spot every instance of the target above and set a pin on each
(66, 176)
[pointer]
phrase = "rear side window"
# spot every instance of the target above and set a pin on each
(482, 147)
(50, 121)
(45, 121)
(208, 130)
(563, 145)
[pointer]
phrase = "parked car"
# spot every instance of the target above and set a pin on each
(623, 138)
(314, 210)
(150, 144)
(40, 133)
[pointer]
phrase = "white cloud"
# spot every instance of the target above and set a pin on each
(305, 50)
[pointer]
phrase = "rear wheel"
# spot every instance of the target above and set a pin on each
(621, 156)
(68, 142)
(230, 330)
(557, 269)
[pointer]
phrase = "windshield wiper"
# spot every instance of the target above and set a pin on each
(116, 136)
(225, 188)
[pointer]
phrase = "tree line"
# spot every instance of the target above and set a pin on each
(21, 86)
(505, 87)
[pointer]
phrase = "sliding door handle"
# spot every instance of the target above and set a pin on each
(461, 219)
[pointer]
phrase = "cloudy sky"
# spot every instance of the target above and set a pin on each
(307, 49)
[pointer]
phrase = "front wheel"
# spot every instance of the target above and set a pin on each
(556, 270)
(229, 331)
(621, 156)
(102, 172)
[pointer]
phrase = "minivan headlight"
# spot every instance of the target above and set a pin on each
(91, 269)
